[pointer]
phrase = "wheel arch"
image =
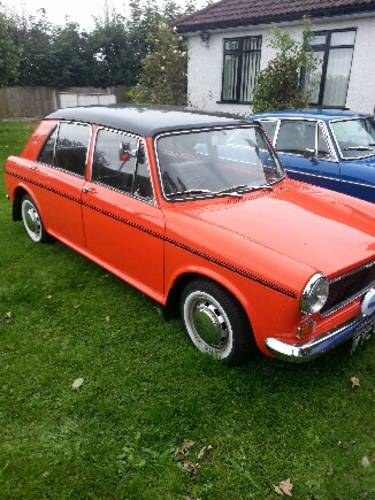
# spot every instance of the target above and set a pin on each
(183, 278)
(19, 192)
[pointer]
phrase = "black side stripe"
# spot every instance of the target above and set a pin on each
(179, 244)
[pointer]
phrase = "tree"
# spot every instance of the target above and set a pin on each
(34, 36)
(111, 52)
(9, 53)
(163, 77)
(283, 84)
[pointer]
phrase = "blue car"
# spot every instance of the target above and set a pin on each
(334, 149)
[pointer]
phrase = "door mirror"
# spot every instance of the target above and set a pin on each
(309, 153)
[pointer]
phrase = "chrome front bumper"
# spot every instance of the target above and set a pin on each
(319, 345)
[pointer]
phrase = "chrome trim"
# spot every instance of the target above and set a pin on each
(334, 158)
(209, 129)
(307, 291)
(352, 298)
(347, 301)
(328, 178)
(336, 120)
(299, 353)
(353, 271)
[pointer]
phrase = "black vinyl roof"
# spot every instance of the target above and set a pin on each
(144, 120)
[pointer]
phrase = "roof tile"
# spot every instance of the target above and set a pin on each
(227, 13)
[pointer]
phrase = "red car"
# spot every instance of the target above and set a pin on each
(167, 201)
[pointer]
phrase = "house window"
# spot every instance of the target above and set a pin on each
(240, 68)
(334, 52)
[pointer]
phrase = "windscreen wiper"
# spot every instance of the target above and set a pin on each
(243, 188)
(187, 192)
(359, 148)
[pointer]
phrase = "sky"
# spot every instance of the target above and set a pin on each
(80, 11)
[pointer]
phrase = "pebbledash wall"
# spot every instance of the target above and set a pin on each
(205, 64)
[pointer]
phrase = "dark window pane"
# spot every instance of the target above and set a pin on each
(142, 183)
(296, 136)
(231, 45)
(240, 68)
(314, 79)
(107, 166)
(270, 128)
(71, 147)
(46, 155)
(230, 76)
(249, 71)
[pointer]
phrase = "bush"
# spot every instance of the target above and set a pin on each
(283, 83)
(163, 77)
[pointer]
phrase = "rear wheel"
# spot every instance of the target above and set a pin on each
(215, 322)
(32, 221)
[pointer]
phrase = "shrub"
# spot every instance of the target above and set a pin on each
(283, 84)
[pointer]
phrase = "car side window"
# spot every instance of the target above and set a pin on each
(296, 136)
(270, 129)
(119, 163)
(71, 147)
(47, 152)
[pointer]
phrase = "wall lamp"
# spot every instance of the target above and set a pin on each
(205, 37)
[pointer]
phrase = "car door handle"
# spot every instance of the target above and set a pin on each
(87, 189)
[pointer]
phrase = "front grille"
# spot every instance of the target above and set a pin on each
(349, 286)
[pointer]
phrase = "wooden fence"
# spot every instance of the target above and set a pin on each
(23, 102)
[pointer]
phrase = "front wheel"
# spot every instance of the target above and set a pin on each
(215, 322)
(32, 221)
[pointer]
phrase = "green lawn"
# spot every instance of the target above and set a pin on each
(146, 390)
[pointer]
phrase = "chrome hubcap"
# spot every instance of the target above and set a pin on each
(31, 220)
(207, 324)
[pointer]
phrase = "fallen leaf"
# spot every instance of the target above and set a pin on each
(365, 462)
(77, 306)
(77, 383)
(190, 468)
(107, 318)
(8, 317)
(330, 471)
(183, 450)
(284, 488)
(355, 382)
(204, 451)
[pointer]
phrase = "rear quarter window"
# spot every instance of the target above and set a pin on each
(71, 147)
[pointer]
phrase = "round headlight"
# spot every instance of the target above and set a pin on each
(315, 294)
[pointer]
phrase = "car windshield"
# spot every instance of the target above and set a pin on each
(356, 138)
(216, 162)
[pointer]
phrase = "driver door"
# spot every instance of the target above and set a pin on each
(123, 226)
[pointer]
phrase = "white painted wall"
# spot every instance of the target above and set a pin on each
(206, 62)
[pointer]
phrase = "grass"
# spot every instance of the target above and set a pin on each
(146, 390)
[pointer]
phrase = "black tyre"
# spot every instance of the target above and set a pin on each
(32, 220)
(215, 322)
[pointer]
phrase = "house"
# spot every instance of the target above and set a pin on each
(229, 44)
